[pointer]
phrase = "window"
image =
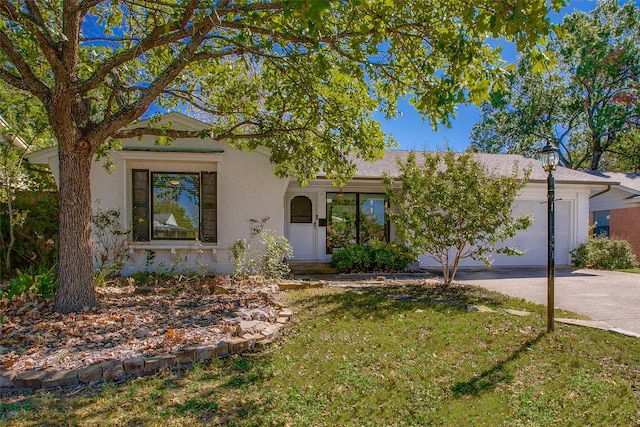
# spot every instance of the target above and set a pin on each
(174, 205)
(355, 218)
(601, 220)
(301, 210)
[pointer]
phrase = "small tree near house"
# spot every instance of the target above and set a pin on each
(450, 207)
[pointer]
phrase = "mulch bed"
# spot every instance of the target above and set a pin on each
(172, 314)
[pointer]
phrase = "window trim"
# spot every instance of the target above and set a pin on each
(387, 220)
(148, 204)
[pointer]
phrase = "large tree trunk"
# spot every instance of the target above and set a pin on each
(75, 288)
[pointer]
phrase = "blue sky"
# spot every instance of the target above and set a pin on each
(411, 133)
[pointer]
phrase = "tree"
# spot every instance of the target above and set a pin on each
(452, 208)
(299, 77)
(586, 105)
(22, 127)
(625, 155)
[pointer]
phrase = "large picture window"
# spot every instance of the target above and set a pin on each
(355, 218)
(174, 205)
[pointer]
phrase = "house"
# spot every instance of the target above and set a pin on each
(213, 191)
(615, 211)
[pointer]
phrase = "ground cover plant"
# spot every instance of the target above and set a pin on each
(394, 355)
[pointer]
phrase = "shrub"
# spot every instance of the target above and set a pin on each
(41, 282)
(268, 260)
(37, 235)
(603, 252)
(373, 257)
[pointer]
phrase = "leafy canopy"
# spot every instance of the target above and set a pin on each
(450, 207)
(586, 104)
(299, 77)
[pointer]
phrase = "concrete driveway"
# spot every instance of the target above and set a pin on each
(611, 297)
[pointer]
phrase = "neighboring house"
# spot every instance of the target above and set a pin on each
(615, 211)
(215, 190)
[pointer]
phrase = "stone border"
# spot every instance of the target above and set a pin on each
(116, 370)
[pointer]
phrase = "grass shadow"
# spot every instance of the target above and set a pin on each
(382, 301)
(499, 373)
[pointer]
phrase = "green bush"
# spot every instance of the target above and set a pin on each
(373, 257)
(603, 252)
(267, 259)
(41, 282)
(37, 235)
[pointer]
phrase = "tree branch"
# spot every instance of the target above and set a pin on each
(31, 82)
(135, 110)
(13, 80)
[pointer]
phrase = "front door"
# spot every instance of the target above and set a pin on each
(302, 226)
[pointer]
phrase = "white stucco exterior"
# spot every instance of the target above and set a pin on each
(248, 189)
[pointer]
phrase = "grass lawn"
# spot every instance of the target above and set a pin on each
(632, 270)
(381, 356)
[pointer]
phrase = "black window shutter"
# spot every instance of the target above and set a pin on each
(209, 206)
(141, 196)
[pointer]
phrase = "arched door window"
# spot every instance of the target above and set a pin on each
(301, 210)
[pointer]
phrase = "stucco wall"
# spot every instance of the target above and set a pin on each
(247, 188)
(572, 221)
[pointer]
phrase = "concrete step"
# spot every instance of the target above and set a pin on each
(311, 267)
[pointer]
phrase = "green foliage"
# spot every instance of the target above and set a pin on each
(603, 252)
(451, 207)
(36, 236)
(266, 260)
(584, 100)
(41, 282)
(23, 127)
(374, 257)
(302, 79)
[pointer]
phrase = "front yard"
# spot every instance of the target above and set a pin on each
(409, 354)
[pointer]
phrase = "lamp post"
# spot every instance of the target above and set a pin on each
(549, 159)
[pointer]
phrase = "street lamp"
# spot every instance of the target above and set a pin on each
(549, 159)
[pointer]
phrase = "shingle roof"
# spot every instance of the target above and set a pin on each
(501, 163)
(630, 181)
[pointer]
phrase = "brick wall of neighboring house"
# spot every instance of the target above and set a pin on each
(625, 224)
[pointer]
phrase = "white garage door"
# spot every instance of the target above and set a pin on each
(534, 239)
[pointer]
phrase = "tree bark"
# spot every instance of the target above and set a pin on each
(75, 287)
(595, 160)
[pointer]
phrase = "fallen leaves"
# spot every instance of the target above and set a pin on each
(125, 325)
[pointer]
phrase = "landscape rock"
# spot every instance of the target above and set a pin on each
(206, 352)
(6, 378)
(90, 373)
(60, 378)
(29, 379)
(520, 313)
(134, 366)
(112, 369)
(479, 308)
(185, 356)
(153, 364)
(238, 345)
